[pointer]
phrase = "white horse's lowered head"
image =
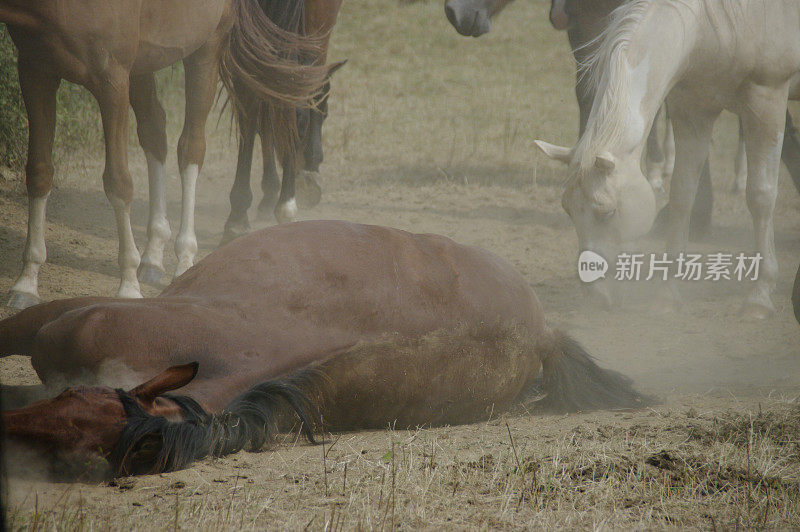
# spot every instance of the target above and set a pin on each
(607, 195)
(703, 56)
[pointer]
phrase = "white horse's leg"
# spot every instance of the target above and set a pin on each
(186, 241)
(151, 127)
(669, 148)
(39, 92)
(654, 158)
(763, 124)
(740, 164)
(692, 129)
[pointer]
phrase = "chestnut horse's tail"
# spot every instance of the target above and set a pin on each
(261, 67)
(573, 382)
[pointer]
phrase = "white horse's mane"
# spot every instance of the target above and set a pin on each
(607, 72)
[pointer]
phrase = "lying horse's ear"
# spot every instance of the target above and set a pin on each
(333, 67)
(558, 153)
(166, 381)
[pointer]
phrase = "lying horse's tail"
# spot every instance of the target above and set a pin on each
(152, 444)
(261, 68)
(573, 382)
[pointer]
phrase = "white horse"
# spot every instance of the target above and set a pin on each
(703, 56)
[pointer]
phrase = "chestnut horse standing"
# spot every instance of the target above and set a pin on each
(317, 18)
(112, 47)
(368, 325)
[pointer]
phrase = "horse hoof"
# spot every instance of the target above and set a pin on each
(756, 312)
(128, 291)
(286, 212)
(267, 206)
(234, 231)
(21, 300)
(181, 268)
(150, 274)
(309, 191)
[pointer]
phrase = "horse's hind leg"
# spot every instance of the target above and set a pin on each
(270, 182)
(241, 196)
(151, 127)
(763, 122)
(39, 92)
(112, 93)
(286, 209)
(201, 84)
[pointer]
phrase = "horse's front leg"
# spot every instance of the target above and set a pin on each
(241, 195)
(286, 209)
(692, 128)
(763, 122)
(270, 182)
(39, 92)
(111, 92)
(151, 128)
(654, 159)
(740, 164)
(201, 85)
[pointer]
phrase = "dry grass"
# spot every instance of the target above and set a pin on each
(654, 469)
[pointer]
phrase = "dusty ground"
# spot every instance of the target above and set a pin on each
(432, 132)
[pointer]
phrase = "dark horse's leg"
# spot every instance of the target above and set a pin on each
(270, 182)
(241, 196)
(791, 151)
(286, 210)
(583, 90)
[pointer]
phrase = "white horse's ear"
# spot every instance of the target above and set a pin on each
(605, 162)
(558, 153)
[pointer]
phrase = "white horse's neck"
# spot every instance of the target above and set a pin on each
(634, 70)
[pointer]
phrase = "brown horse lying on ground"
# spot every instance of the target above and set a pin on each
(354, 326)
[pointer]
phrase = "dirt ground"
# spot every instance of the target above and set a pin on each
(433, 132)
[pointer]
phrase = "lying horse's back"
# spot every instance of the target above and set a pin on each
(365, 278)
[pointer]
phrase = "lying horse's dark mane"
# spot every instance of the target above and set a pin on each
(152, 444)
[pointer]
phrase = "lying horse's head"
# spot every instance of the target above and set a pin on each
(473, 18)
(84, 423)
